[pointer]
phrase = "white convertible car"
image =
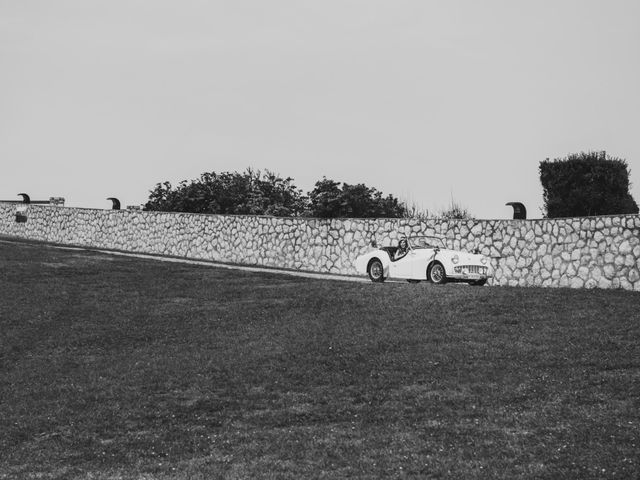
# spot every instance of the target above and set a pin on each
(424, 258)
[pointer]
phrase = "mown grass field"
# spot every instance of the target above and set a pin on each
(121, 368)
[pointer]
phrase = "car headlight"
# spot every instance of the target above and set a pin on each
(455, 259)
(483, 260)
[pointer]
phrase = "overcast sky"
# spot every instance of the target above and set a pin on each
(427, 100)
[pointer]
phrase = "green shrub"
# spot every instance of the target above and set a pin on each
(585, 184)
(250, 193)
(455, 211)
(330, 199)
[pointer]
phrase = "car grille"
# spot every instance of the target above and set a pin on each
(474, 269)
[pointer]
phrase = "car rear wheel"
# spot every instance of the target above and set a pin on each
(376, 270)
(437, 274)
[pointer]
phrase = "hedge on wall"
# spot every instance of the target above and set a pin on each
(251, 192)
(330, 199)
(586, 184)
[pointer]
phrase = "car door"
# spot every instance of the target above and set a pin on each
(403, 267)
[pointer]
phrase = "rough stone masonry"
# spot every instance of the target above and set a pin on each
(589, 252)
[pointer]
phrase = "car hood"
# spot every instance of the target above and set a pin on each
(464, 256)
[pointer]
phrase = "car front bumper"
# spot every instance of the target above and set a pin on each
(470, 272)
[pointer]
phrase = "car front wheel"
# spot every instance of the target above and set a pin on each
(437, 274)
(376, 270)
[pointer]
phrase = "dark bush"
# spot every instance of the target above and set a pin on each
(329, 199)
(250, 192)
(585, 184)
(256, 193)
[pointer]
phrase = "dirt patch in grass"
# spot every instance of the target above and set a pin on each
(128, 368)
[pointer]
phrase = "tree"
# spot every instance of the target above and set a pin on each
(586, 184)
(251, 192)
(325, 200)
(330, 199)
(256, 193)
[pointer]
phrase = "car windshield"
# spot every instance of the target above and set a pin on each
(426, 242)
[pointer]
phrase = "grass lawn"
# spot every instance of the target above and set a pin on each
(114, 367)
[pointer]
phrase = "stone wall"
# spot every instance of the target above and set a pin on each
(588, 252)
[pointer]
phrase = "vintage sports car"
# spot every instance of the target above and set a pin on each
(424, 258)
